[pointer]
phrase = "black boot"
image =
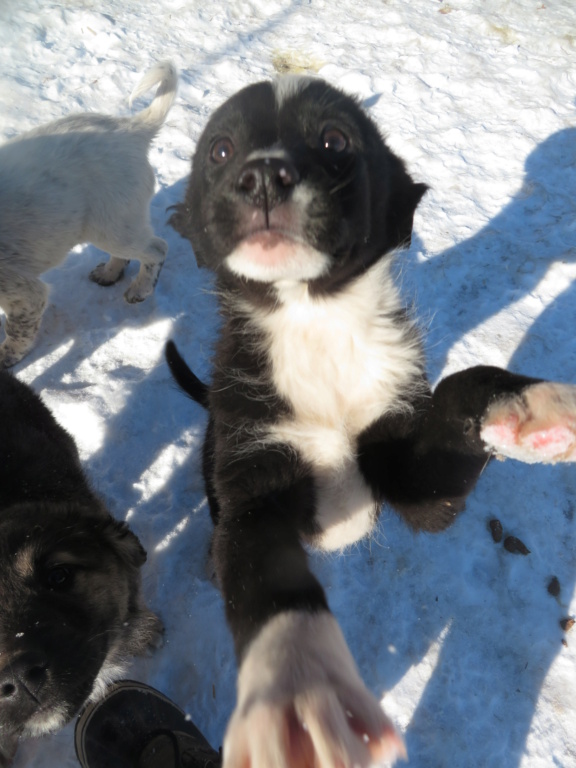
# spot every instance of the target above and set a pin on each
(136, 726)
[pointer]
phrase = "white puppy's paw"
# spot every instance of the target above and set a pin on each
(537, 426)
(302, 704)
(109, 272)
(11, 353)
(143, 284)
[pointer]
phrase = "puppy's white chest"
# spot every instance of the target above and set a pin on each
(319, 362)
(344, 360)
(341, 363)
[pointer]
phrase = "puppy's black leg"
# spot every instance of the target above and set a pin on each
(297, 676)
(425, 466)
(261, 564)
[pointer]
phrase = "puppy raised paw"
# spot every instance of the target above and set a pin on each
(538, 425)
(302, 704)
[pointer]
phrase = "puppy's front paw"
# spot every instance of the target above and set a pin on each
(302, 704)
(538, 425)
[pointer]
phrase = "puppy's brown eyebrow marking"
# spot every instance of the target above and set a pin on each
(24, 561)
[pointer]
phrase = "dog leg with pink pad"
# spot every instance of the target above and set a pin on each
(536, 426)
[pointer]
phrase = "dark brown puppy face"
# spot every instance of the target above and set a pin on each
(68, 590)
(292, 181)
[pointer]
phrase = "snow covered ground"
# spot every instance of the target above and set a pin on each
(459, 638)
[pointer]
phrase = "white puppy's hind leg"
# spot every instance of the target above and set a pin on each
(151, 261)
(23, 299)
(301, 702)
(149, 250)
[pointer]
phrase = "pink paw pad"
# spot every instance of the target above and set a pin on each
(555, 441)
(539, 426)
(503, 433)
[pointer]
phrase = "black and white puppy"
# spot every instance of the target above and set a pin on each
(71, 614)
(320, 410)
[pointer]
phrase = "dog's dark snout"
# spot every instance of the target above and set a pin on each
(26, 675)
(268, 181)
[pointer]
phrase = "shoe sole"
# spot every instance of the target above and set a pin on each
(180, 720)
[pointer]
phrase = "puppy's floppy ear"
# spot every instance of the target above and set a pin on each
(405, 195)
(125, 543)
(181, 221)
(178, 220)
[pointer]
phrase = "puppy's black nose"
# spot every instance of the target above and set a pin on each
(266, 182)
(23, 678)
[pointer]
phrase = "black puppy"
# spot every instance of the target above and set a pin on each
(70, 609)
(320, 410)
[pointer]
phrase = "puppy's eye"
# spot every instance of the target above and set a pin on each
(59, 576)
(222, 150)
(334, 140)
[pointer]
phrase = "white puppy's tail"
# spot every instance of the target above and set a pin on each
(153, 116)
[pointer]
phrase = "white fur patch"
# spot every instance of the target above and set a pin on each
(269, 153)
(46, 722)
(109, 673)
(287, 86)
(299, 678)
(341, 362)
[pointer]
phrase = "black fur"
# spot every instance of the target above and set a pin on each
(70, 602)
(370, 214)
(424, 459)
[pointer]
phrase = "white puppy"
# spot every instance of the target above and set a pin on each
(85, 178)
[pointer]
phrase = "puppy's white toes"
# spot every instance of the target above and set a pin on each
(538, 426)
(302, 703)
(259, 741)
(388, 748)
(373, 726)
(349, 738)
(316, 731)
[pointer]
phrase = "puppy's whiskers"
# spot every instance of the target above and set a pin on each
(342, 185)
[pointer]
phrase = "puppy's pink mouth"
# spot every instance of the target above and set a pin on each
(268, 247)
(268, 255)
